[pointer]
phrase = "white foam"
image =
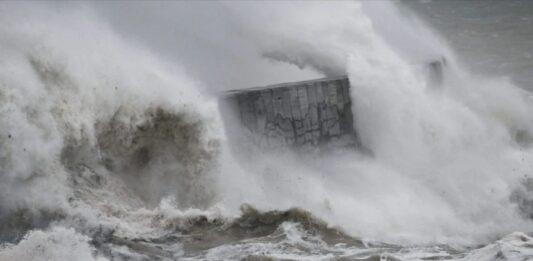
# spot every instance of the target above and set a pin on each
(445, 163)
(446, 160)
(55, 244)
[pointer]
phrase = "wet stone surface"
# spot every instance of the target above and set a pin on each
(310, 113)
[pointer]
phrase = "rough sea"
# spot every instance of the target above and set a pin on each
(113, 146)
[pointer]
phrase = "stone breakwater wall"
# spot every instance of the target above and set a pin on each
(311, 113)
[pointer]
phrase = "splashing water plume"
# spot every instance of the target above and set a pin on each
(109, 150)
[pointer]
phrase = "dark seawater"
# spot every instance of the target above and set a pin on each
(111, 151)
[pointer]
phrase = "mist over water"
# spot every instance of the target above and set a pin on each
(493, 37)
(113, 147)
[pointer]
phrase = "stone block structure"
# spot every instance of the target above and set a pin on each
(299, 114)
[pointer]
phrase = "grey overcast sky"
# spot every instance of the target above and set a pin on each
(217, 44)
(206, 37)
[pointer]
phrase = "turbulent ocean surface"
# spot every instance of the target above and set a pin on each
(112, 146)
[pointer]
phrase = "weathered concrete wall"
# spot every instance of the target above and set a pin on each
(315, 113)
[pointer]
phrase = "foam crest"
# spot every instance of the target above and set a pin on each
(58, 243)
(98, 130)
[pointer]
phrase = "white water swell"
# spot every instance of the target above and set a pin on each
(98, 133)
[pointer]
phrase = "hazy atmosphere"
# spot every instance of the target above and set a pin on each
(266, 130)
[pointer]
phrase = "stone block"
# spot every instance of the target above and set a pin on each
(299, 114)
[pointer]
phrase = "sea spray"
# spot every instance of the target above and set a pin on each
(109, 146)
(67, 99)
(447, 161)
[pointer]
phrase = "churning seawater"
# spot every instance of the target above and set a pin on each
(112, 145)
